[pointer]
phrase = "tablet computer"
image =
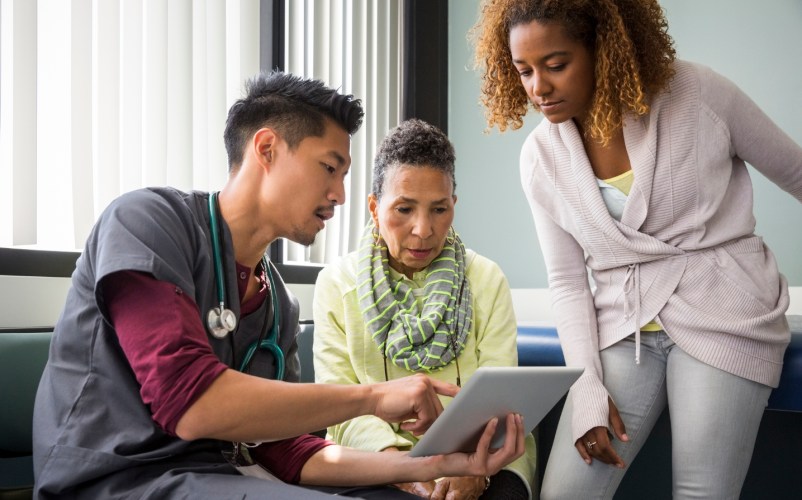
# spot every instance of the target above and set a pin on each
(495, 392)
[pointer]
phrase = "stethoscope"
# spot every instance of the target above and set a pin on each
(222, 321)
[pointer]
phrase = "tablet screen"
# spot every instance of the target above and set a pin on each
(495, 392)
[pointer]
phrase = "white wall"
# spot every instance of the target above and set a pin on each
(31, 301)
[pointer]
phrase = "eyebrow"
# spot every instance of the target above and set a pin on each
(404, 199)
(546, 57)
(338, 157)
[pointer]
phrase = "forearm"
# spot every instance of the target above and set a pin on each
(575, 313)
(341, 466)
(240, 407)
(264, 410)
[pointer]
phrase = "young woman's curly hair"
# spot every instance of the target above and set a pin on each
(629, 40)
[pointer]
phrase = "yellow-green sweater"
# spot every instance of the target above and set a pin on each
(345, 354)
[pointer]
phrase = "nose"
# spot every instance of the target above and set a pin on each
(422, 228)
(337, 192)
(541, 86)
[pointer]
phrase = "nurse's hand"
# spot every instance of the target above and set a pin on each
(596, 442)
(411, 400)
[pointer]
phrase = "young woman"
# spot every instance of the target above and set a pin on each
(412, 299)
(638, 173)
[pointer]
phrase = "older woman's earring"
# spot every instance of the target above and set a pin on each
(452, 236)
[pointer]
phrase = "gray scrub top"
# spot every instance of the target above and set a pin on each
(93, 437)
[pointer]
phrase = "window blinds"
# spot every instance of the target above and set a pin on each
(352, 45)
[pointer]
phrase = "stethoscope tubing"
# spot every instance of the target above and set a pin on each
(271, 342)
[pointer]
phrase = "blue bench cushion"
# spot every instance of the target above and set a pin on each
(540, 346)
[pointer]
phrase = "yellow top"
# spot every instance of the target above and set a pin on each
(623, 182)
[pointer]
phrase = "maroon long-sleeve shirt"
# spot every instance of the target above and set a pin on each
(160, 331)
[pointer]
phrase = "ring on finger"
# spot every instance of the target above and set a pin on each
(590, 444)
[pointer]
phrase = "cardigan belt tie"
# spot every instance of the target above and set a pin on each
(632, 287)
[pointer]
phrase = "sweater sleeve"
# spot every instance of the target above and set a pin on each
(333, 365)
(496, 331)
(495, 326)
(573, 307)
(754, 137)
(286, 458)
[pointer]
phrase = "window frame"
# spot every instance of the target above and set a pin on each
(425, 65)
(38, 263)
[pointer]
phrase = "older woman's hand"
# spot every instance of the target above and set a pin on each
(422, 489)
(459, 488)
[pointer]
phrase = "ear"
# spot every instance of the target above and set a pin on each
(263, 146)
(373, 208)
(454, 197)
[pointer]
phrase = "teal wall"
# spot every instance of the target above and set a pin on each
(757, 45)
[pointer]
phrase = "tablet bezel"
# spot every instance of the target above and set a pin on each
(494, 392)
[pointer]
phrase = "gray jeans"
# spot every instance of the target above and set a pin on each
(714, 421)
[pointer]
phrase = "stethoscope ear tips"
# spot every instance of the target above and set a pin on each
(221, 322)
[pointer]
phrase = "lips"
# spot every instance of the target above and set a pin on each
(325, 214)
(549, 105)
(420, 253)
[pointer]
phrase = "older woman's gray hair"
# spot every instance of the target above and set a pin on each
(413, 143)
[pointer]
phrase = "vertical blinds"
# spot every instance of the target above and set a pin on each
(100, 97)
(354, 46)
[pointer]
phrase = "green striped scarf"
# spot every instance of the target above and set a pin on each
(415, 339)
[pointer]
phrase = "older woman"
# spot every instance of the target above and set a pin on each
(413, 299)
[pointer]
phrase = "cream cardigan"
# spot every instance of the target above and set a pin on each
(684, 251)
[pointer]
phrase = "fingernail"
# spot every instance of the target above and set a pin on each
(587, 461)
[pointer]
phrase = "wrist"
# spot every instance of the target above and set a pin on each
(425, 469)
(369, 398)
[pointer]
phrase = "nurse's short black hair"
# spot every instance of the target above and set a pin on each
(296, 108)
(413, 143)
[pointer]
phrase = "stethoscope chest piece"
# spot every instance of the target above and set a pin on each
(221, 322)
